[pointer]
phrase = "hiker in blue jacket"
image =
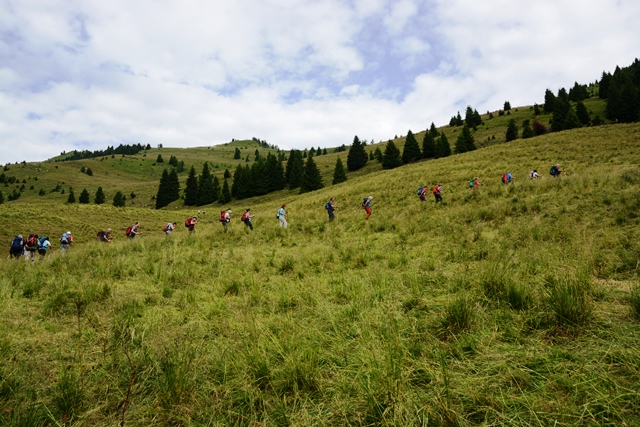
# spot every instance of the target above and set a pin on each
(330, 207)
(17, 247)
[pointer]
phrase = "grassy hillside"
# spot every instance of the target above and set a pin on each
(511, 305)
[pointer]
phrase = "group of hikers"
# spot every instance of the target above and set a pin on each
(32, 244)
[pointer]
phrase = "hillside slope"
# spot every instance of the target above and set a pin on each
(510, 305)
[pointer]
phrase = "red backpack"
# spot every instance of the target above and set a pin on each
(504, 178)
(165, 227)
(32, 240)
(128, 232)
(222, 218)
(244, 217)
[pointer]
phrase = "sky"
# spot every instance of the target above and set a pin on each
(87, 74)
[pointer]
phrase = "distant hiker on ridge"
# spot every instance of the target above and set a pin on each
(330, 207)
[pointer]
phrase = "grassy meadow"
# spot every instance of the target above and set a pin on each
(511, 305)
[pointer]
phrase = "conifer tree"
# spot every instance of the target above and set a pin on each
(507, 106)
(293, 171)
(226, 174)
(84, 197)
(583, 114)
(205, 187)
(571, 120)
(71, 198)
(89, 172)
(433, 131)
(191, 188)
(324, 151)
(274, 173)
(237, 154)
(119, 199)
(82, 169)
(159, 159)
(391, 157)
(357, 156)
(443, 149)
(527, 130)
(216, 189)
(465, 141)
(411, 151)
(237, 177)
(173, 186)
(162, 196)
(339, 174)
(225, 193)
(428, 146)
(549, 101)
(512, 131)
(99, 196)
(311, 178)
(378, 154)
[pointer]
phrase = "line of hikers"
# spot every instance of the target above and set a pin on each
(34, 243)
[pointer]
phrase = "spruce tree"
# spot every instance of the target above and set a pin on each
(583, 114)
(411, 151)
(465, 141)
(378, 154)
(162, 196)
(443, 149)
(339, 174)
(527, 130)
(507, 106)
(89, 172)
(226, 174)
(99, 196)
(357, 156)
(391, 157)
(433, 131)
(237, 154)
(512, 131)
(571, 120)
(173, 186)
(225, 193)
(311, 178)
(119, 199)
(216, 189)
(293, 171)
(275, 173)
(84, 197)
(191, 188)
(549, 101)
(71, 198)
(159, 159)
(205, 186)
(428, 146)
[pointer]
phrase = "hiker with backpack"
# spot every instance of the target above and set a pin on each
(65, 241)
(422, 193)
(169, 227)
(475, 183)
(225, 218)
(103, 236)
(190, 223)
(30, 246)
(330, 207)
(17, 247)
(437, 190)
(555, 170)
(366, 204)
(43, 245)
(534, 174)
(281, 214)
(246, 218)
(133, 231)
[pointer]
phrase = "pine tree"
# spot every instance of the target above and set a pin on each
(119, 199)
(311, 178)
(173, 187)
(378, 154)
(357, 156)
(465, 141)
(512, 131)
(428, 146)
(339, 174)
(162, 196)
(216, 189)
(571, 120)
(226, 174)
(191, 189)
(293, 171)
(205, 186)
(225, 193)
(527, 131)
(84, 197)
(391, 157)
(583, 114)
(71, 198)
(89, 172)
(433, 131)
(237, 154)
(99, 196)
(82, 169)
(275, 173)
(549, 101)
(159, 159)
(411, 151)
(560, 109)
(324, 151)
(507, 106)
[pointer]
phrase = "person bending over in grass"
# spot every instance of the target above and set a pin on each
(17, 247)
(133, 231)
(330, 207)
(475, 183)
(246, 218)
(190, 223)
(437, 193)
(555, 170)
(534, 174)
(169, 227)
(43, 245)
(282, 216)
(104, 236)
(366, 204)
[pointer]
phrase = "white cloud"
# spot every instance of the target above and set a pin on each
(92, 74)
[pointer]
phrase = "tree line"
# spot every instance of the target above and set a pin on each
(120, 149)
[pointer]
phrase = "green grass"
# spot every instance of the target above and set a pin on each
(505, 306)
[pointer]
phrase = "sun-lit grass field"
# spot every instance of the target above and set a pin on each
(511, 305)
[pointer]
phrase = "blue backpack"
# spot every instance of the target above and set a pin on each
(328, 206)
(420, 191)
(17, 242)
